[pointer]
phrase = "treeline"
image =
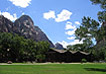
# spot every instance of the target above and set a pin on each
(18, 49)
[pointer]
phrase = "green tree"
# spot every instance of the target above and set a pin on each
(101, 2)
(91, 29)
(30, 50)
(101, 14)
(87, 31)
(42, 48)
(101, 18)
(5, 45)
(77, 47)
(18, 48)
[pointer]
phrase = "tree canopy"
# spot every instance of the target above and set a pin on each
(91, 30)
(18, 49)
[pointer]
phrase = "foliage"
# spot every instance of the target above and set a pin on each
(40, 57)
(101, 2)
(42, 48)
(91, 29)
(101, 14)
(18, 49)
(76, 47)
(100, 54)
(79, 47)
(87, 31)
(83, 60)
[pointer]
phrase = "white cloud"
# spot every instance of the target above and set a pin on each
(9, 16)
(65, 44)
(70, 23)
(70, 38)
(0, 12)
(63, 16)
(70, 32)
(76, 42)
(77, 22)
(69, 26)
(21, 3)
(23, 13)
(48, 15)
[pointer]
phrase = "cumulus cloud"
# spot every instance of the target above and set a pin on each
(69, 26)
(76, 42)
(23, 13)
(70, 38)
(21, 3)
(9, 16)
(72, 32)
(63, 16)
(48, 15)
(77, 22)
(65, 44)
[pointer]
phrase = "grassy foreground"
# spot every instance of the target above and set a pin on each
(53, 69)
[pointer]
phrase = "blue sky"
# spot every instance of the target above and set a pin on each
(57, 18)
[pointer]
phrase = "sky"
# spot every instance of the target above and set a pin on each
(58, 19)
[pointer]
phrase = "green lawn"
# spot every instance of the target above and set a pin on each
(54, 69)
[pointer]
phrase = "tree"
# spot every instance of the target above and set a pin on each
(18, 49)
(91, 29)
(30, 50)
(100, 54)
(42, 48)
(101, 2)
(5, 46)
(77, 47)
(87, 31)
(101, 37)
(101, 14)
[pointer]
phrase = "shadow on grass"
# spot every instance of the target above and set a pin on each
(95, 69)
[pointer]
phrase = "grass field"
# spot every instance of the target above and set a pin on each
(53, 69)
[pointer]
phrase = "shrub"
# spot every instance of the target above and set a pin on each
(83, 60)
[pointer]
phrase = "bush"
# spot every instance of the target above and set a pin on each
(83, 60)
(40, 57)
(105, 59)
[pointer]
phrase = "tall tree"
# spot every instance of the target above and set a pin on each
(91, 29)
(42, 48)
(77, 47)
(102, 19)
(101, 14)
(87, 31)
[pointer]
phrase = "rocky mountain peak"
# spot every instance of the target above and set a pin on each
(5, 24)
(25, 21)
(58, 46)
(23, 26)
